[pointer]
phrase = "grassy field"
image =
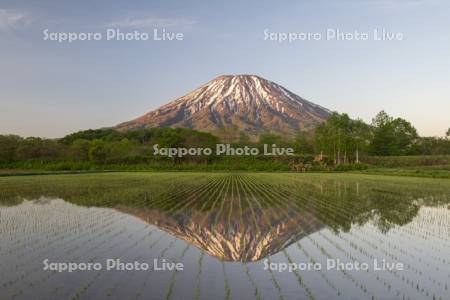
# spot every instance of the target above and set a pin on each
(407, 161)
(418, 171)
(432, 166)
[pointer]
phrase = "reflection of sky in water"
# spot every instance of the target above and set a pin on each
(65, 232)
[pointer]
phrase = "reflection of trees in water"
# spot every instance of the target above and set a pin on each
(242, 217)
(386, 202)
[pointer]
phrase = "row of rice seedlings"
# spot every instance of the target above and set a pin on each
(174, 274)
(442, 242)
(357, 283)
(226, 283)
(21, 279)
(257, 293)
(147, 281)
(324, 276)
(215, 199)
(41, 280)
(101, 234)
(103, 227)
(191, 192)
(253, 205)
(272, 199)
(235, 192)
(259, 198)
(299, 278)
(332, 200)
(240, 207)
(221, 200)
(243, 194)
(438, 254)
(417, 284)
(120, 281)
(11, 225)
(199, 275)
(376, 240)
(422, 258)
(336, 210)
(436, 217)
(395, 194)
(45, 250)
(54, 234)
(263, 196)
(236, 208)
(192, 198)
(363, 287)
(237, 195)
(106, 213)
(114, 286)
(387, 249)
(275, 283)
(240, 195)
(360, 255)
(83, 287)
(352, 279)
(180, 203)
(331, 240)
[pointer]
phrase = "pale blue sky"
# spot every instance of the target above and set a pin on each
(51, 89)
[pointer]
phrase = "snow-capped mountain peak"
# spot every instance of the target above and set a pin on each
(247, 102)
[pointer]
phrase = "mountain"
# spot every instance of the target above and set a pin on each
(248, 103)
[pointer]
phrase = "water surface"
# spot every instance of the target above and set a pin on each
(225, 229)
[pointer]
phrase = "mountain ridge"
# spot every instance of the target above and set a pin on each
(248, 103)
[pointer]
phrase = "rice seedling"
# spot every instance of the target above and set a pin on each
(228, 224)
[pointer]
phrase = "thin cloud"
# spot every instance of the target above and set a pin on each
(151, 22)
(11, 19)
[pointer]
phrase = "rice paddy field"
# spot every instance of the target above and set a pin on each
(236, 236)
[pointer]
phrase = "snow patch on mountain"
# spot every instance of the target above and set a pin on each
(247, 102)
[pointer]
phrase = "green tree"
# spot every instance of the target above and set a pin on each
(303, 143)
(342, 138)
(271, 138)
(334, 137)
(93, 134)
(392, 136)
(361, 134)
(8, 147)
(79, 150)
(98, 151)
(122, 150)
(169, 137)
(34, 148)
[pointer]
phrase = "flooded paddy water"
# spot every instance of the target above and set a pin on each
(224, 236)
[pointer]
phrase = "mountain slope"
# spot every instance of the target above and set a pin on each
(246, 102)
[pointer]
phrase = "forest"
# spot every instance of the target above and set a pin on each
(339, 143)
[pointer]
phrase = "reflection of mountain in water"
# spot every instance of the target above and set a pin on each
(242, 217)
(236, 238)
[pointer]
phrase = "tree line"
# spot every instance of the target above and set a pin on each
(346, 140)
(340, 139)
